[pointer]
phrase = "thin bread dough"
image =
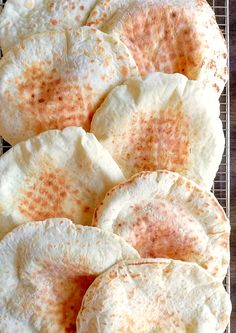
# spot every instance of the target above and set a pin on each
(23, 18)
(163, 122)
(173, 36)
(55, 174)
(154, 295)
(58, 79)
(45, 269)
(164, 215)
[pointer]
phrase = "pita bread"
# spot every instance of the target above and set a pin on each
(58, 79)
(22, 18)
(55, 174)
(174, 36)
(156, 295)
(45, 269)
(164, 215)
(162, 122)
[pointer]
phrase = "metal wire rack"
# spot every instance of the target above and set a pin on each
(221, 186)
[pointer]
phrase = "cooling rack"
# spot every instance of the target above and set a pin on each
(221, 186)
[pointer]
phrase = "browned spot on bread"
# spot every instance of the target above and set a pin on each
(63, 301)
(54, 21)
(124, 71)
(46, 196)
(113, 275)
(107, 61)
(98, 40)
(100, 50)
(156, 232)
(216, 87)
(86, 209)
(48, 101)
(95, 12)
(156, 141)
(69, 308)
(201, 3)
(181, 182)
(54, 192)
(81, 7)
(92, 23)
(161, 39)
(224, 243)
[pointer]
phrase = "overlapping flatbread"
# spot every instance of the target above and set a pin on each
(55, 174)
(58, 79)
(164, 215)
(156, 295)
(162, 122)
(169, 36)
(45, 269)
(22, 18)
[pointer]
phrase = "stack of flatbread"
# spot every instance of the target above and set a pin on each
(107, 222)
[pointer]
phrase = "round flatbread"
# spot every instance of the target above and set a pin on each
(164, 215)
(58, 79)
(22, 18)
(168, 36)
(163, 122)
(55, 174)
(158, 295)
(45, 269)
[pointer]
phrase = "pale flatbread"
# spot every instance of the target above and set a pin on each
(55, 174)
(156, 295)
(163, 122)
(164, 215)
(45, 269)
(174, 36)
(22, 18)
(58, 79)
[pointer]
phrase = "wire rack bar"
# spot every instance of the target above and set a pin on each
(221, 186)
